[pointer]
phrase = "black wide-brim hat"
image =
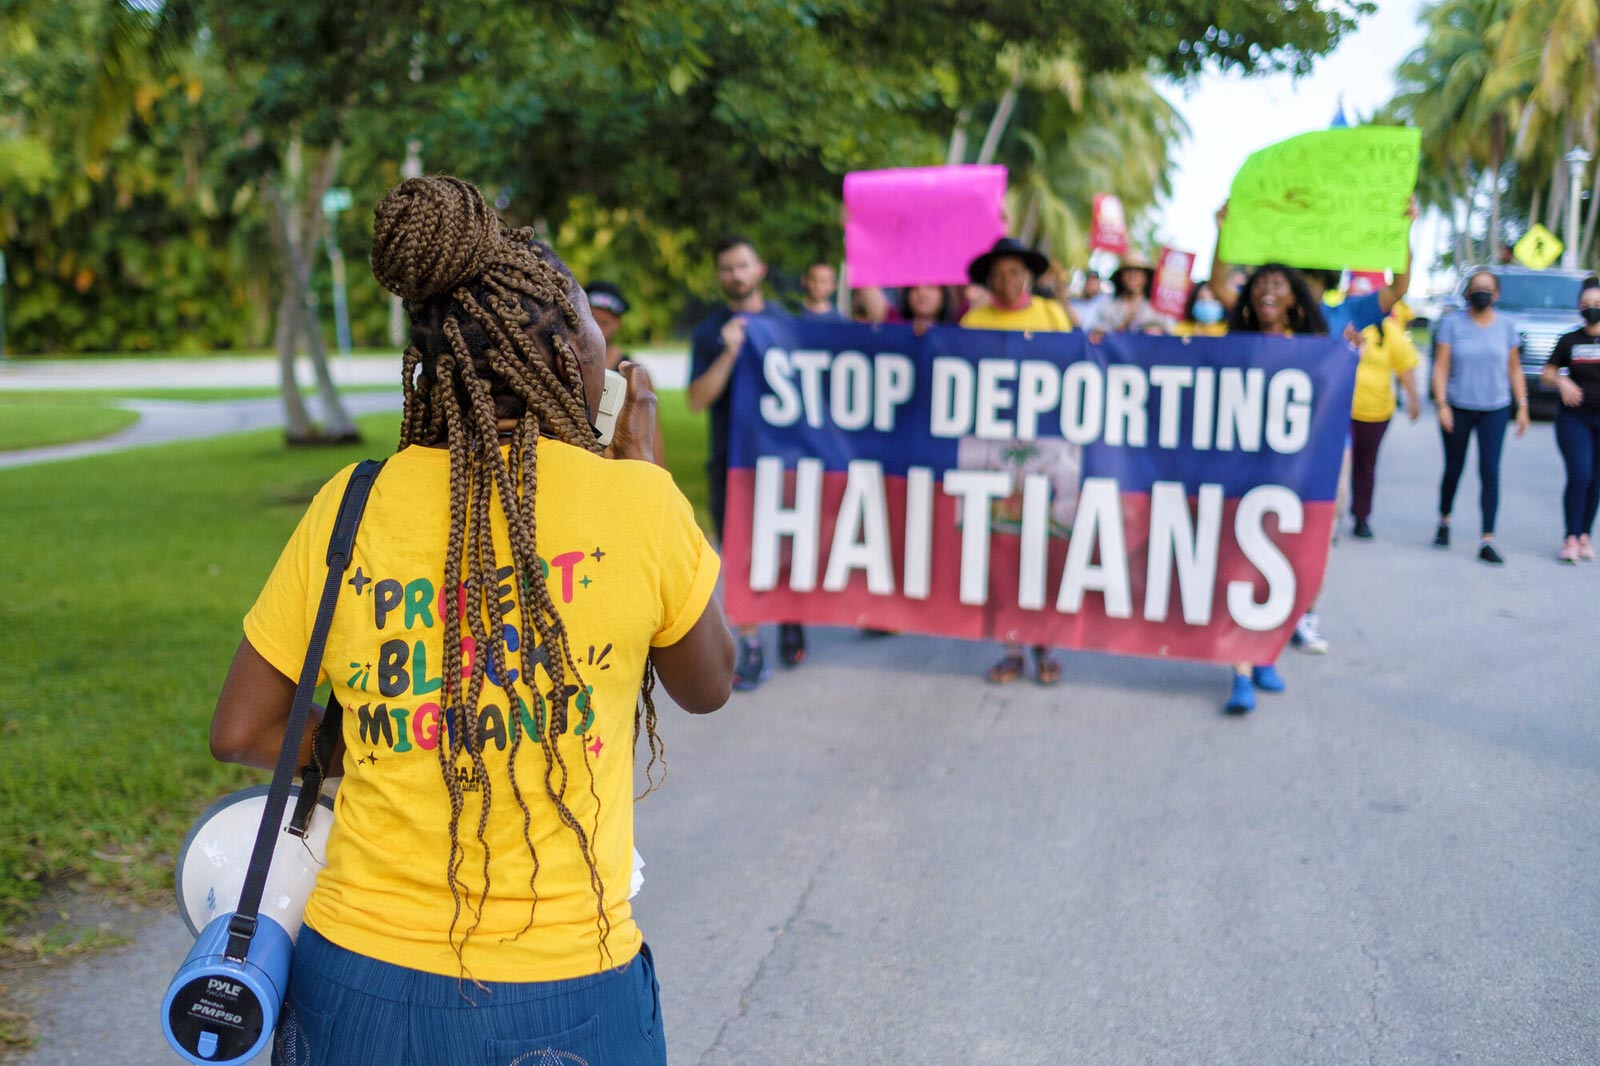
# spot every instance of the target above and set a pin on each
(978, 269)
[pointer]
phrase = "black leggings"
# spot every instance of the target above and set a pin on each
(1490, 427)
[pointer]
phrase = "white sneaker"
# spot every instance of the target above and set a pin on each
(1307, 636)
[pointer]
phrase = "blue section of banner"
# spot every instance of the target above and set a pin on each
(1240, 365)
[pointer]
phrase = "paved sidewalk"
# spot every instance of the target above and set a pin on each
(668, 369)
(162, 421)
(165, 421)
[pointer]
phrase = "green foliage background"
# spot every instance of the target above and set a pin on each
(137, 140)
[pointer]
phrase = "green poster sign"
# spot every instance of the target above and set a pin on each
(1330, 199)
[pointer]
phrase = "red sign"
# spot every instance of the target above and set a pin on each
(1169, 292)
(1365, 281)
(1110, 229)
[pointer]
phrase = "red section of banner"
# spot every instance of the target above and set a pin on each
(1109, 228)
(1169, 293)
(943, 614)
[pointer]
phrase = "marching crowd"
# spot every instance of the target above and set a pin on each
(503, 375)
(1477, 381)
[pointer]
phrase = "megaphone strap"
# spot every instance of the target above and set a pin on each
(340, 546)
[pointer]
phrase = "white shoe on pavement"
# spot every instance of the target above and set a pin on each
(1308, 636)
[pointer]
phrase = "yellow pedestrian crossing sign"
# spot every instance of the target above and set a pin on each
(1538, 248)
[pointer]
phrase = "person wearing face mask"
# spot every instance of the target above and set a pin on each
(1478, 386)
(1574, 371)
(1386, 353)
(1203, 315)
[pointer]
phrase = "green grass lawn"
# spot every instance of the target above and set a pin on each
(128, 575)
(36, 425)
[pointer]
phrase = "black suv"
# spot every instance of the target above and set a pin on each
(1544, 305)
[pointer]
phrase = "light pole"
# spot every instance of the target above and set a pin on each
(1577, 159)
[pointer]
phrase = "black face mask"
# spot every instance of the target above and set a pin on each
(1480, 299)
(1591, 315)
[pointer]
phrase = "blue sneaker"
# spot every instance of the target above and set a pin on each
(1243, 699)
(752, 667)
(1267, 679)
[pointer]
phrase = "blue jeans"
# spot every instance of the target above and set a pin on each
(1490, 428)
(345, 1009)
(1578, 437)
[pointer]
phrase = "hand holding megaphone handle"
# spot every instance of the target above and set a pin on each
(316, 771)
(242, 926)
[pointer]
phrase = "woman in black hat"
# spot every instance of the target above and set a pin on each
(1008, 271)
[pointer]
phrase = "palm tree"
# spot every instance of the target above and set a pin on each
(1466, 115)
(138, 45)
(1550, 52)
(1065, 136)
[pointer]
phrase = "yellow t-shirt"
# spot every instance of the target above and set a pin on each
(1039, 316)
(1200, 329)
(628, 570)
(1384, 355)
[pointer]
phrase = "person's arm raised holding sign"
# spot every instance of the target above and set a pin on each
(1383, 301)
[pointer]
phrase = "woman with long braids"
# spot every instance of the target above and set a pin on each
(513, 595)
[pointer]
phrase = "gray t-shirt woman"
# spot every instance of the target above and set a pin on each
(1479, 357)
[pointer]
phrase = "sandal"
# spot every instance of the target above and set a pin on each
(1006, 670)
(1047, 669)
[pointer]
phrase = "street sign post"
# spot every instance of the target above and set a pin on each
(335, 200)
(1538, 248)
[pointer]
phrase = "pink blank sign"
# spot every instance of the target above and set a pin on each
(920, 225)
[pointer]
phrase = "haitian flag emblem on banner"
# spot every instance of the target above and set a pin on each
(1153, 496)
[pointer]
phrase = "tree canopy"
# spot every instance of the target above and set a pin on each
(641, 129)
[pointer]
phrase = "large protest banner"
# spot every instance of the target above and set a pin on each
(1152, 496)
(1329, 199)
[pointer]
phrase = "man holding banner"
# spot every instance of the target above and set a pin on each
(714, 350)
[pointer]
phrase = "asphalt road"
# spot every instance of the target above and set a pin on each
(879, 858)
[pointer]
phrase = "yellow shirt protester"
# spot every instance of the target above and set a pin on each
(627, 569)
(1387, 351)
(1037, 315)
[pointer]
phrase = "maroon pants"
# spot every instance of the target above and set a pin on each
(1364, 440)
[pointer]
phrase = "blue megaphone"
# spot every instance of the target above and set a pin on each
(222, 1010)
